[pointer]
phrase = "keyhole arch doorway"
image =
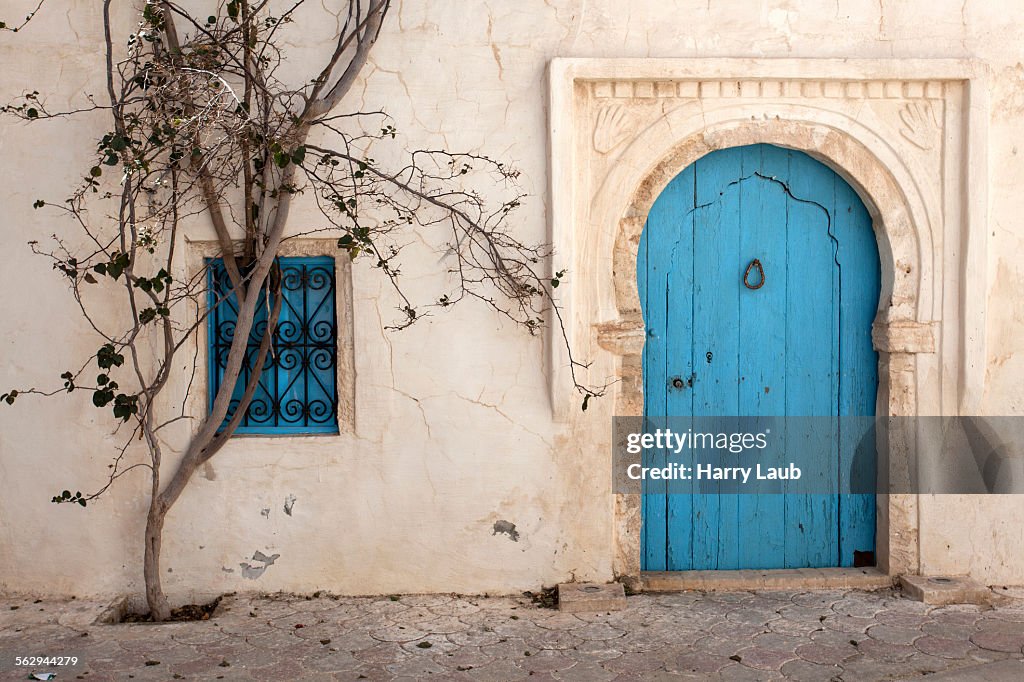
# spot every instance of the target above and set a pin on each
(759, 277)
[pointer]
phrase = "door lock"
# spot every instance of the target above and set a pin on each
(680, 382)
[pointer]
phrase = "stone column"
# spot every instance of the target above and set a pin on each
(898, 342)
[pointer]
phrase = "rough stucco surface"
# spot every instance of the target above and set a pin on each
(453, 435)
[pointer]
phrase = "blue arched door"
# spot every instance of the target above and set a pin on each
(800, 345)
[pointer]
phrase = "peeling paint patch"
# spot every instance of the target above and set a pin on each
(289, 504)
(508, 528)
(252, 571)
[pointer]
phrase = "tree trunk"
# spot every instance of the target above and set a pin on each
(204, 445)
(159, 609)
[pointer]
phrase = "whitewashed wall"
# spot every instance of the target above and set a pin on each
(453, 424)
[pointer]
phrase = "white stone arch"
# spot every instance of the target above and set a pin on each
(619, 135)
(899, 219)
(887, 188)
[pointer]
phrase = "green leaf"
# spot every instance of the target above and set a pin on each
(298, 155)
(89, 278)
(150, 14)
(115, 267)
(39, 203)
(32, 113)
(69, 268)
(125, 406)
(147, 315)
(107, 357)
(281, 159)
(102, 379)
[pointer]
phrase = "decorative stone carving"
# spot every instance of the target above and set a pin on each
(920, 124)
(803, 89)
(622, 337)
(904, 337)
(622, 129)
(611, 128)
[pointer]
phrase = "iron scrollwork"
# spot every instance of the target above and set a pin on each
(297, 390)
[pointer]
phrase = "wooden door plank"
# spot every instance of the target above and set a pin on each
(860, 281)
(680, 361)
(654, 263)
(762, 340)
(717, 280)
(811, 362)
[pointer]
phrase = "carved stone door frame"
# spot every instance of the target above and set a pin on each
(909, 136)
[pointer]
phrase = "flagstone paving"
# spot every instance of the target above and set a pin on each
(817, 635)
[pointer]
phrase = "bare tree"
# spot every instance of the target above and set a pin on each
(201, 125)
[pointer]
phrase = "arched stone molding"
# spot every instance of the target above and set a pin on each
(909, 138)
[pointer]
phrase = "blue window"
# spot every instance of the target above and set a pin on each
(297, 391)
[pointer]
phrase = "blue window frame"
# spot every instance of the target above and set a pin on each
(297, 391)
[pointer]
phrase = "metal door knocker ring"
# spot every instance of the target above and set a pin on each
(746, 275)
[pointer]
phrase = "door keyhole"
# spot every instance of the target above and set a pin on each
(680, 382)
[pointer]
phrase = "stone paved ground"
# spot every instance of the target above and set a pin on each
(840, 635)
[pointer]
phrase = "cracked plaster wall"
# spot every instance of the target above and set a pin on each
(453, 429)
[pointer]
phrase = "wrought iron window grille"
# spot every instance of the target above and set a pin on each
(297, 390)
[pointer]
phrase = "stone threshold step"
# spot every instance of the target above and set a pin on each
(1010, 670)
(775, 579)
